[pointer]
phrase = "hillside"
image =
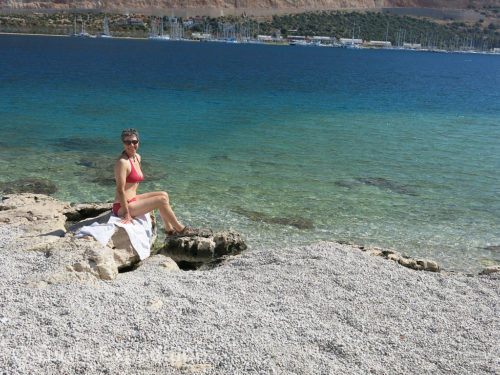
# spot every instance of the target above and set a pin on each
(242, 4)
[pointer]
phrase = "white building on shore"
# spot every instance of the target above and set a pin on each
(201, 36)
(356, 42)
(379, 44)
(412, 45)
(264, 38)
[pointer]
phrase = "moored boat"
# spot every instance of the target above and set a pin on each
(157, 30)
(105, 33)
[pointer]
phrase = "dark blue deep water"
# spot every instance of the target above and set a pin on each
(287, 145)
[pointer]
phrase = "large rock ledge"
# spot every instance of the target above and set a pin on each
(205, 248)
(47, 225)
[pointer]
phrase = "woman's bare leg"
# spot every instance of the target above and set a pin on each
(155, 200)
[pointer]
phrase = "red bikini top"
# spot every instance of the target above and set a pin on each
(133, 176)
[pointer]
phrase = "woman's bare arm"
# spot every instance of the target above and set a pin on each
(120, 176)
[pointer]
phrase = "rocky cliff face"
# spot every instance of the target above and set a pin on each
(235, 4)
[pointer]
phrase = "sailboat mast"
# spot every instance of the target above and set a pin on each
(106, 27)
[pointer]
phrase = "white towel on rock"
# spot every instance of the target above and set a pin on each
(140, 233)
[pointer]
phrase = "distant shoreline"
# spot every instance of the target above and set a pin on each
(66, 36)
(31, 34)
(274, 44)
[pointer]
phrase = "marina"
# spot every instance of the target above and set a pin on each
(236, 34)
(379, 29)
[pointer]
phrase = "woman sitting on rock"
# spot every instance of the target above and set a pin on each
(128, 174)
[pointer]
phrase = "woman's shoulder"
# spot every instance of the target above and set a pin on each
(122, 160)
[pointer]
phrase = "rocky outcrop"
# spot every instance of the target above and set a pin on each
(490, 270)
(203, 248)
(48, 225)
(104, 262)
(418, 264)
(82, 211)
(38, 215)
(124, 253)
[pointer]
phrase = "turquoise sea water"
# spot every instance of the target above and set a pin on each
(287, 145)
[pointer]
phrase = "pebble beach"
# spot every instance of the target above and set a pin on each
(325, 308)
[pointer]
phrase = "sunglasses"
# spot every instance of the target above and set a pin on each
(128, 143)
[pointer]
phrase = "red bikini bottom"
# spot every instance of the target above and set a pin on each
(116, 206)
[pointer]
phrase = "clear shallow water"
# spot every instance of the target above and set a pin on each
(389, 148)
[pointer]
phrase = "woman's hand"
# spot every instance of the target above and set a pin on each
(127, 219)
